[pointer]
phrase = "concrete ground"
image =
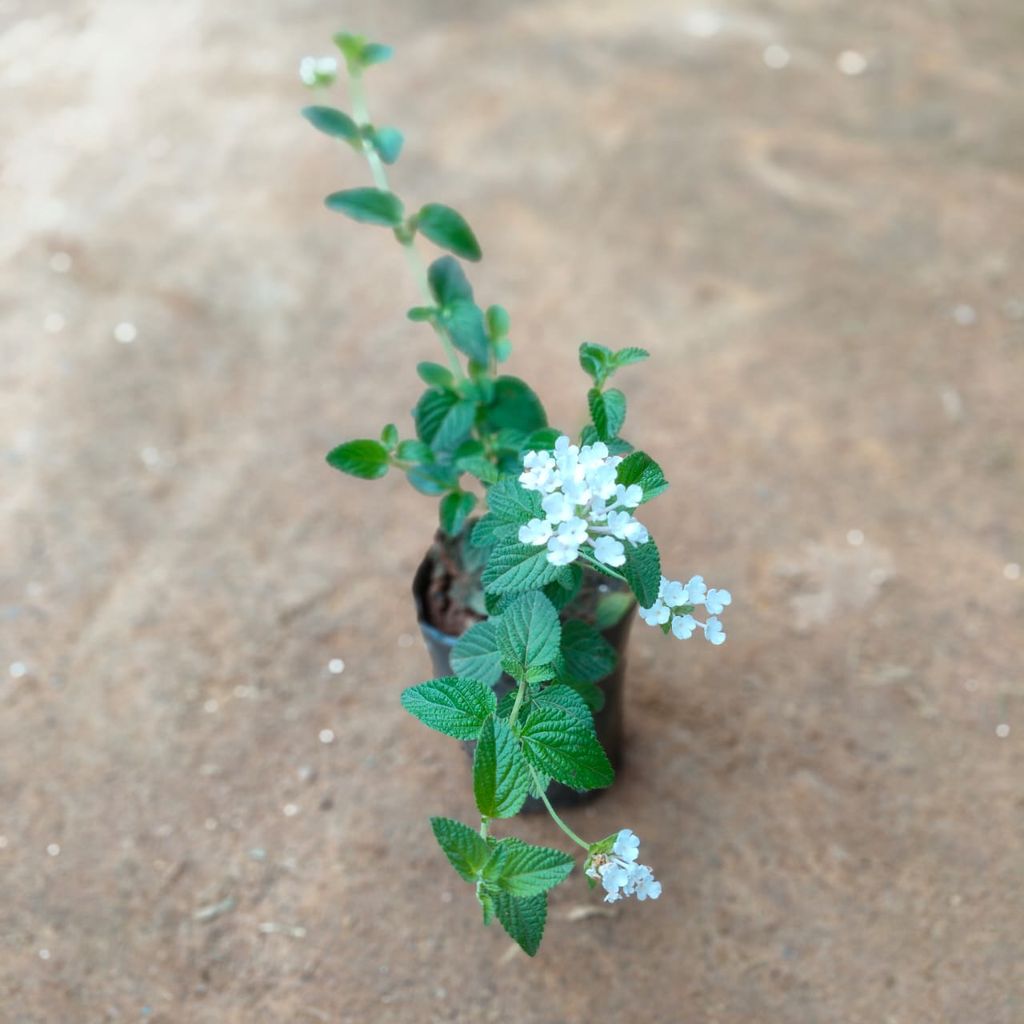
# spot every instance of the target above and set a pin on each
(809, 212)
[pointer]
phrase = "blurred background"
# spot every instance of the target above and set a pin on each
(212, 808)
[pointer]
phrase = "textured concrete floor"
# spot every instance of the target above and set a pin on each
(827, 269)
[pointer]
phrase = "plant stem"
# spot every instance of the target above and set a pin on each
(554, 814)
(483, 826)
(514, 714)
(361, 112)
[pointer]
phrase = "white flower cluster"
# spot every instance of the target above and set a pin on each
(583, 503)
(318, 70)
(619, 872)
(672, 595)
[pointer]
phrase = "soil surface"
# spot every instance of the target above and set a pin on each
(212, 807)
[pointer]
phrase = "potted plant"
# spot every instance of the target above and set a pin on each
(526, 596)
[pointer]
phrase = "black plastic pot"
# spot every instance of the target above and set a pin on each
(608, 721)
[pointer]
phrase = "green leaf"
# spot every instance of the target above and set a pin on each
(485, 897)
(376, 53)
(530, 630)
(457, 707)
(611, 608)
(360, 54)
(565, 698)
(455, 509)
(467, 851)
(591, 695)
(443, 420)
(640, 468)
(498, 323)
(475, 654)
(435, 375)
(643, 572)
(514, 567)
(368, 205)
(448, 229)
(626, 356)
(566, 587)
(448, 281)
(515, 406)
(561, 746)
(616, 446)
(523, 918)
(389, 437)
(524, 870)
(596, 361)
(471, 457)
(432, 479)
(366, 459)
(465, 324)
(414, 451)
(510, 502)
(388, 143)
(332, 122)
(489, 530)
(501, 778)
(608, 411)
(421, 314)
(589, 658)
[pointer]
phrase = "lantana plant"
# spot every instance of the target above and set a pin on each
(557, 507)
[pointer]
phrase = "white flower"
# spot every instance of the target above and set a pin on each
(573, 531)
(683, 626)
(630, 496)
(673, 593)
(318, 70)
(609, 551)
(560, 553)
(625, 527)
(645, 885)
(627, 845)
(621, 874)
(713, 631)
(695, 590)
(536, 531)
(558, 508)
(657, 615)
(593, 455)
(539, 472)
(716, 600)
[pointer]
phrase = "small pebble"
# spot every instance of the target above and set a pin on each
(326, 735)
(702, 23)
(1002, 730)
(336, 666)
(44, 954)
(150, 456)
(257, 853)
(290, 810)
(18, 669)
(1011, 571)
(53, 849)
(210, 706)
(964, 315)
(775, 56)
(54, 323)
(60, 262)
(210, 824)
(125, 332)
(405, 640)
(855, 538)
(850, 62)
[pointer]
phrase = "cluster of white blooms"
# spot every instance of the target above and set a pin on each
(672, 595)
(619, 872)
(583, 503)
(318, 70)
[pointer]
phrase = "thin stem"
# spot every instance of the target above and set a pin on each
(554, 814)
(514, 714)
(361, 112)
(601, 567)
(483, 826)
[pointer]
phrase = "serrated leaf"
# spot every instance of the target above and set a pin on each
(512, 503)
(451, 705)
(587, 655)
(368, 205)
(466, 850)
(448, 229)
(485, 897)
(591, 695)
(514, 406)
(435, 375)
(414, 451)
(595, 361)
(366, 459)
(475, 654)
(639, 468)
(616, 446)
(488, 531)
(501, 777)
(608, 411)
(464, 322)
(524, 870)
(558, 744)
(332, 122)
(611, 608)
(432, 479)
(388, 143)
(530, 631)
(514, 568)
(448, 281)
(566, 698)
(443, 420)
(642, 571)
(455, 510)
(523, 918)
(629, 355)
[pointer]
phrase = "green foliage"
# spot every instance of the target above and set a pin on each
(414, 451)
(523, 918)
(608, 411)
(643, 572)
(501, 777)
(640, 468)
(512, 503)
(448, 229)
(464, 322)
(389, 437)
(467, 851)
(471, 457)
(448, 282)
(514, 568)
(332, 122)
(587, 656)
(366, 459)
(360, 54)
(611, 608)
(565, 698)
(443, 420)
(388, 143)
(368, 205)
(600, 362)
(455, 510)
(436, 376)
(521, 869)
(457, 707)
(556, 743)
(530, 633)
(475, 654)
(515, 405)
